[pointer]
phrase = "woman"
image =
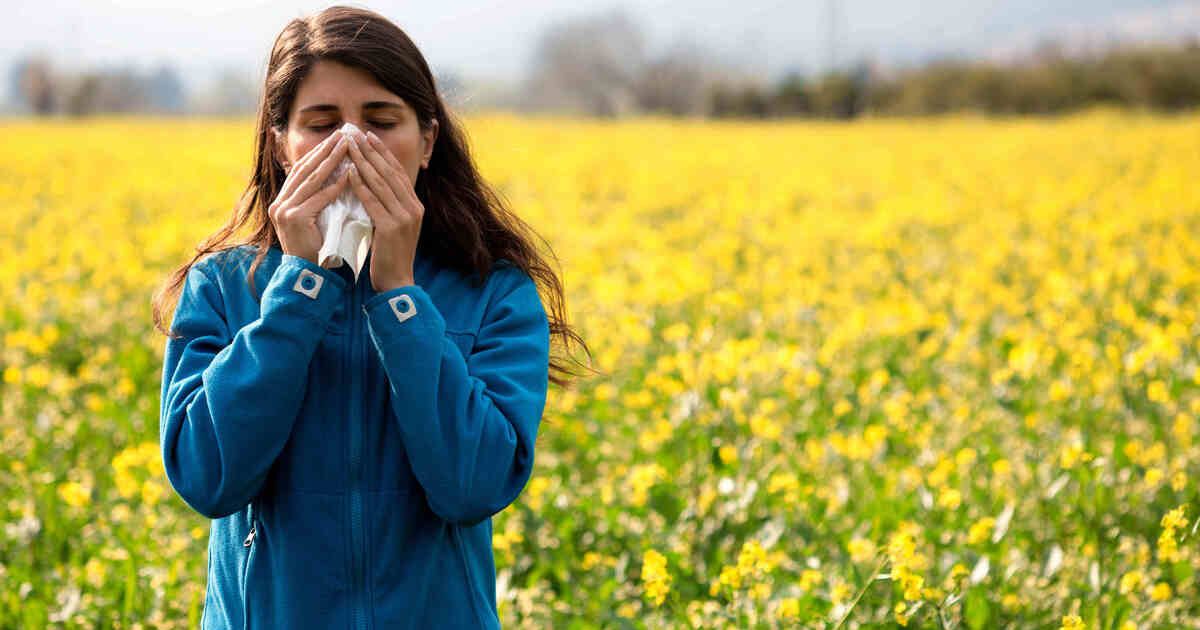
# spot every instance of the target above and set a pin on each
(351, 437)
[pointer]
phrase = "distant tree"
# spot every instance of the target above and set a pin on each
(35, 84)
(590, 64)
(106, 90)
(165, 90)
(230, 93)
(674, 82)
(842, 94)
(792, 96)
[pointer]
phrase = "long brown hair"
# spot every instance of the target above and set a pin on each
(466, 225)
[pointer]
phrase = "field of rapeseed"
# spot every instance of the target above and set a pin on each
(927, 374)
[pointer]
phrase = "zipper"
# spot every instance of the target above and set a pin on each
(250, 536)
(248, 542)
(253, 530)
(358, 609)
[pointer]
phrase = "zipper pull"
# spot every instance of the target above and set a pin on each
(249, 537)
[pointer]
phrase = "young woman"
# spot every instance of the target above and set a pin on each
(351, 437)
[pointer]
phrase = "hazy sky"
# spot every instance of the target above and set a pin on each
(481, 39)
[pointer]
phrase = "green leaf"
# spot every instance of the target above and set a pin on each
(976, 610)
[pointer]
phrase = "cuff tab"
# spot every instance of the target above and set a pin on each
(309, 283)
(408, 312)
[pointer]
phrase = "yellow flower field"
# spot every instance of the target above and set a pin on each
(938, 373)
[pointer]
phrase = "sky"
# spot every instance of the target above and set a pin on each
(492, 40)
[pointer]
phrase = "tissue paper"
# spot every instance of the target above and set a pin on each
(344, 223)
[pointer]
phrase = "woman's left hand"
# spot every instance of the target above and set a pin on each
(386, 192)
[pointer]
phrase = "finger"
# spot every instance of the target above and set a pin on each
(306, 163)
(319, 173)
(405, 184)
(368, 172)
(317, 202)
(384, 151)
(375, 209)
(296, 175)
(395, 179)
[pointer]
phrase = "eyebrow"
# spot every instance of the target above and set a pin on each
(369, 105)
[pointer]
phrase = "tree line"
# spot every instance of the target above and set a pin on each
(1162, 77)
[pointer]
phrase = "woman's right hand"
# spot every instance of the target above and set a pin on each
(295, 209)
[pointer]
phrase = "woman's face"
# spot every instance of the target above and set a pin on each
(333, 94)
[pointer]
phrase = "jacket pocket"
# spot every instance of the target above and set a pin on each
(249, 544)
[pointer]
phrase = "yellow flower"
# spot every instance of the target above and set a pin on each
(655, 578)
(728, 454)
(752, 560)
(95, 571)
(958, 571)
(861, 549)
(1073, 454)
(950, 498)
(1131, 581)
(74, 494)
(809, 578)
(1072, 622)
(535, 490)
(1174, 519)
(1179, 480)
(840, 593)
(1154, 476)
(730, 577)
(152, 491)
(789, 609)
(1168, 546)
(1001, 467)
(641, 479)
(900, 612)
(1161, 592)
(911, 583)
(981, 530)
(1157, 391)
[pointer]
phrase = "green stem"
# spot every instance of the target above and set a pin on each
(878, 567)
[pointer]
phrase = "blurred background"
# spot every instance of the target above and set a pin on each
(702, 58)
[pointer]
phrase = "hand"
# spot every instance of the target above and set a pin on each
(295, 209)
(382, 185)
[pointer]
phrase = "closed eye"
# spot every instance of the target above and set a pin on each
(332, 125)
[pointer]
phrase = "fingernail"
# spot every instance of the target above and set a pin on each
(372, 136)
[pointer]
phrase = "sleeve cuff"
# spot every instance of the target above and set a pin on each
(403, 312)
(304, 288)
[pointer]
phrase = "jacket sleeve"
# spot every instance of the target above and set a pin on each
(230, 398)
(468, 426)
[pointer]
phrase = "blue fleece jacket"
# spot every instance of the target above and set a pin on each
(351, 446)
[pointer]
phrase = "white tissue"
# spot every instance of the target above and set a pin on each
(345, 224)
